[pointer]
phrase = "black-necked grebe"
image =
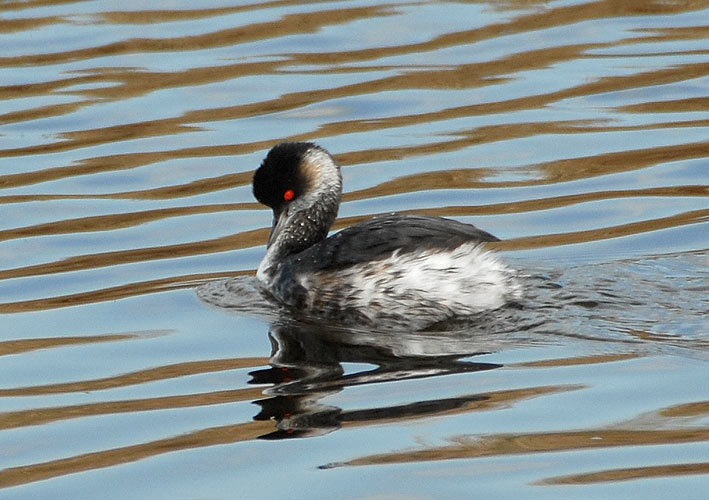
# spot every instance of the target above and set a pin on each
(394, 270)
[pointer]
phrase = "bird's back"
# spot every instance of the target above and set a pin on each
(380, 237)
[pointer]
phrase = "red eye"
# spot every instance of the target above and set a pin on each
(288, 195)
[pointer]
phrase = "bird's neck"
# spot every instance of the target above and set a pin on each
(299, 231)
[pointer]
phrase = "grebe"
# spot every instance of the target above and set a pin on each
(408, 271)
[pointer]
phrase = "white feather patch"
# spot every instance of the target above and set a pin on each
(420, 288)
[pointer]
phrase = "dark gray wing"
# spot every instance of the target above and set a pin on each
(379, 237)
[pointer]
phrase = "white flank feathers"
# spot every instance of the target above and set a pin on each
(418, 288)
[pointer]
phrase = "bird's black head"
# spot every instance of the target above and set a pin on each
(280, 179)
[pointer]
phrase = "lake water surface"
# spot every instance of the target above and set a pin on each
(576, 131)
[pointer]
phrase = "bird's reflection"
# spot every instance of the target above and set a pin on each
(593, 305)
(311, 361)
(307, 366)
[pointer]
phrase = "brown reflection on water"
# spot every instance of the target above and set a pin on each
(139, 377)
(25, 345)
(468, 178)
(546, 173)
(549, 172)
(288, 24)
(41, 416)
(132, 83)
(115, 292)
(127, 161)
(693, 217)
(544, 442)
(163, 15)
(647, 472)
(227, 434)
(697, 409)
(242, 240)
(10, 25)
(77, 139)
(114, 221)
(541, 19)
(579, 360)
(689, 105)
(621, 161)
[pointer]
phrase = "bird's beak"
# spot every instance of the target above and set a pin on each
(279, 222)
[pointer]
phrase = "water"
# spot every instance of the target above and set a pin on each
(575, 131)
